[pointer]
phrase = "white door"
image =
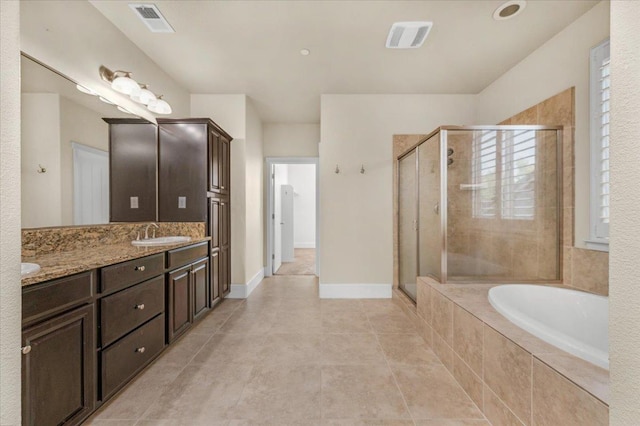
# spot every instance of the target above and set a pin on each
(286, 223)
(277, 233)
(90, 185)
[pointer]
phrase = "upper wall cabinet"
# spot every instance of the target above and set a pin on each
(218, 161)
(133, 170)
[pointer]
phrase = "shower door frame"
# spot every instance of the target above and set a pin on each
(443, 130)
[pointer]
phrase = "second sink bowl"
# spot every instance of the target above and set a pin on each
(29, 268)
(160, 241)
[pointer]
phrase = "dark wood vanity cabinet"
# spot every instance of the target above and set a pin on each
(219, 161)
(59, 351)
(187, 288)
(219, 228)
(133, 167)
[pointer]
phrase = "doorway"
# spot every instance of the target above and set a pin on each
(90, 185)
(292, 216)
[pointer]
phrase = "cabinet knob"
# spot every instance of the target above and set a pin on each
(140, 306)
(139, 268)
(25, 349)
(222, 187)
(140, 350)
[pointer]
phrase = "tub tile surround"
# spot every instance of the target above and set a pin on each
(514, 377)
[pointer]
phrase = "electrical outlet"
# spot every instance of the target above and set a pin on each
(133, 202)
(182, 202)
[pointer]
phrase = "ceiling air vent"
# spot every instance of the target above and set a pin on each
(408, 35)
(152, 18)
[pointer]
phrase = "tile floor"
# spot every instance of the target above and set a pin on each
(304, 263)
(285, 357)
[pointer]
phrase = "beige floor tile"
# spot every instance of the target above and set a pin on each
(367, 422)
(183, 422)
(380, 306)
(432, 393)
(395, 322)
(341, 305)
(343, 349)
(228, 349)
(246, 322)
(182, 351)
(497, 412)
(297, 322)
(409, 349)
(349, 321)
(275, 422)
(279, 392)
(98, 422)
(290, 349)
(455, 422)
(201, 392)
(361, 392)
(211, 323)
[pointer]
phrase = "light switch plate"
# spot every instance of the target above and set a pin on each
(133, 202)
(182, 202)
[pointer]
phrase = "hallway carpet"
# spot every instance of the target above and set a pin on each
(285, 357)
(305, 263)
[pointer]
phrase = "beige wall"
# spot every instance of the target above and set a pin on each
(254, 245)
(356, 209)
(560, 63)
(10, 290)
(81, 125)
(77, 48)
(228, 111)
(40, 132)
(625, 204)
(291, 140)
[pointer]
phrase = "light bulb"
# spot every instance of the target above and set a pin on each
(144, 96)
(124, 84)
(159, 106)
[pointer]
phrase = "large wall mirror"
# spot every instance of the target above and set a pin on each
(65, 144)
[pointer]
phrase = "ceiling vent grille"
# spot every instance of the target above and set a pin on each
(152, 18)
(408, 35)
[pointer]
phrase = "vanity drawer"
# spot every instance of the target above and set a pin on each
(129, 355)
(185, 255)
(125, 274)
(127, 309)
(40, 301)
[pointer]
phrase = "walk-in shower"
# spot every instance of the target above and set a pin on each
(481, 203)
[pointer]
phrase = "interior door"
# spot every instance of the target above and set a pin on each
(90, 185)
(286, 223)
(276, 220)
(408, 224)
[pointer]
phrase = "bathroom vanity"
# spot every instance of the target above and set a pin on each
(86, 335)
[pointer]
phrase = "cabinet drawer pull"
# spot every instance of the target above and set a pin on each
(25, 349)
(140, 350)
(140, 268)
(140, 306)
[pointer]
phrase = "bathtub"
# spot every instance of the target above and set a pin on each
(574, 321)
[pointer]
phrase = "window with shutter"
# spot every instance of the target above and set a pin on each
(600, 77)
(504, 174)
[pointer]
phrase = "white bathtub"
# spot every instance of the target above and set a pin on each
(574, 321)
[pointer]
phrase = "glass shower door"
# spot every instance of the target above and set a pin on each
(407, 224)
(429, 219)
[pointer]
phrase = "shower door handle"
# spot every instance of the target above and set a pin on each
(436, 208)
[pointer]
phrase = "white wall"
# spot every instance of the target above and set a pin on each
(624, 292)
(254, 198)
(228, 111)
(10, 289)
(291, 140)
(40, 130)
(303, 179)
(81, 125)
(356, 209)
(560, 63)
(78, 47)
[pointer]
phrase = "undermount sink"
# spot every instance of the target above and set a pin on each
(28, 268)
(160, 241)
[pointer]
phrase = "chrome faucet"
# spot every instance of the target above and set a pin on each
(146, 231)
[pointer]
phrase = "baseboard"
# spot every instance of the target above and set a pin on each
(242, 291)
(304, 245)
(355, 291)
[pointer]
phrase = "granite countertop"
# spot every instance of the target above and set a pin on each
(56, 265)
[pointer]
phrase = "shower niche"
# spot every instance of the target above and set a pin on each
(481, 204)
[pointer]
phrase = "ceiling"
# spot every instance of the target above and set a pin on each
(253, 47)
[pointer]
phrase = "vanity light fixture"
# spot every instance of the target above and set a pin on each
(159, 106)
(122, 82)
(126, 111)
(105, 100)
(86, 90)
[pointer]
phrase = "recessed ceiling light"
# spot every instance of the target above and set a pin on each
(305, 52)
(509, 9)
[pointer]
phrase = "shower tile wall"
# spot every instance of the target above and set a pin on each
(581, 268)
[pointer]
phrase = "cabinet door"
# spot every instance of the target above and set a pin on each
(214, 282)
(224, 224)
(214, 223)
(225, 165)
(179, 301)
(182, 172)
(214, 161)
(133, 165)
(58, 372)
(200, 287)
(225, 272)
